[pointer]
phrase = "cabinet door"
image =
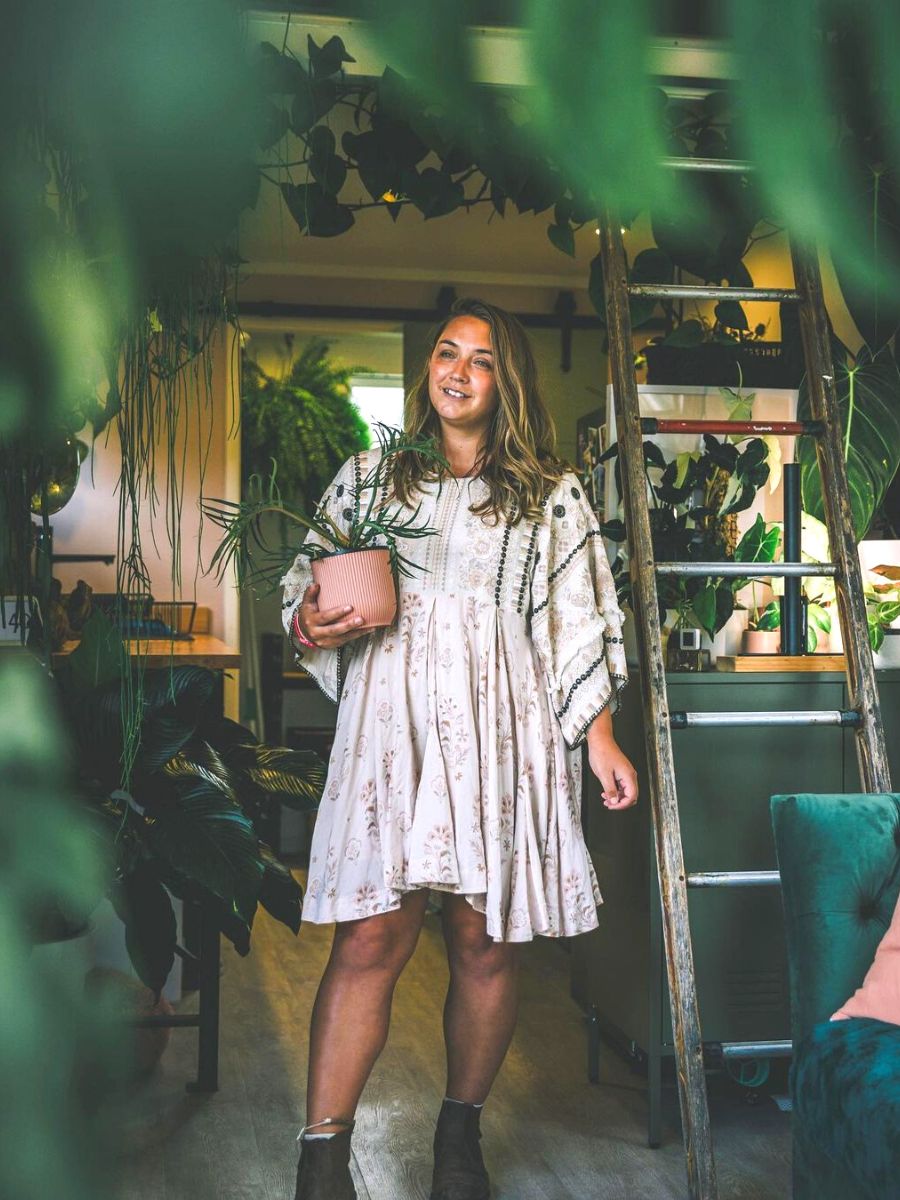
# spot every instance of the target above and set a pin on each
(724, 777)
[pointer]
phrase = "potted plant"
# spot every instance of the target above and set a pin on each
(198, 787)
(694, 500)
(357, 566)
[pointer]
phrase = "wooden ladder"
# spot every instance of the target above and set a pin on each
(864, 715)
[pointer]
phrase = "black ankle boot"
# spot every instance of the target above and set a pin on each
(459, 1172)
(323, 1172)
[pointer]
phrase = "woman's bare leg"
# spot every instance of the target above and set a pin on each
(352, 1011)
(482, 1001)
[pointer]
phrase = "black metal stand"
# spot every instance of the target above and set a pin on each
(793, 634)
(206, 1020)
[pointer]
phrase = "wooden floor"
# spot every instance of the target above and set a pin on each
(549, 1134)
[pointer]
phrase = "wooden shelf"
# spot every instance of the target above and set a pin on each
(781, 662)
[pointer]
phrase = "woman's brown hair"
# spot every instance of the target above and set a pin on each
(518, 461)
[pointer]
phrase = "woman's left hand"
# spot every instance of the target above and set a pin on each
(614, 769)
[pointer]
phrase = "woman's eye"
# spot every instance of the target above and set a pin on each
(482, 362)
(445, 353)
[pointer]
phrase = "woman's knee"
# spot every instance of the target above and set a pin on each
(469, 947)
(381, 943)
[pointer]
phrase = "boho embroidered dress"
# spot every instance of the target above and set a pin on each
(455, 763)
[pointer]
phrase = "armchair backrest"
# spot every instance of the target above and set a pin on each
(839, 857)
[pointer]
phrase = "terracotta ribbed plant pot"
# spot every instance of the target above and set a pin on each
(362, 578)
(761, 641)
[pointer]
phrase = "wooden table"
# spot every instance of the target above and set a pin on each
(202, 651)
(201, 932)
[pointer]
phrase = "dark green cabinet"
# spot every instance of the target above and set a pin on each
(725, 777)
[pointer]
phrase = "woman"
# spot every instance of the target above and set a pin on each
(456, 763)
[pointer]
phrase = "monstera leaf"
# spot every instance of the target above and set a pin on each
(869, 401)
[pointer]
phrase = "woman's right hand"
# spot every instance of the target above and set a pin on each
(328, 627)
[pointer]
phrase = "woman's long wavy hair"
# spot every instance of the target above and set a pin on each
(518, 460)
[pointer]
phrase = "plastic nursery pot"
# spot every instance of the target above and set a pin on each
(362, 578)
(761, 641)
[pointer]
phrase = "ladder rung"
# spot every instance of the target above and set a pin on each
(677, 425)
(779, 1049)
(679, 291)
(726, 165)
(756, 570)
(817, 716)
(715, 879)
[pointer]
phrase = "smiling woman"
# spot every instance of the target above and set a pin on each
(456, 763)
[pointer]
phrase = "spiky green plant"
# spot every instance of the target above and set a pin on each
(375, 521)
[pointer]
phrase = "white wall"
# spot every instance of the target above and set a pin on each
(88, 523)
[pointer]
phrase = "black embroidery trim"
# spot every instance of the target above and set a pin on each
(339, 490)
(557, 571)
(502, 567)
(614, 694)
(576, 495)
(347, 514)
(357, 487)
(585, 675)
(559, 510)
(523, 584)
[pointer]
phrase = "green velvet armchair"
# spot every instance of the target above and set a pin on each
(839, 858)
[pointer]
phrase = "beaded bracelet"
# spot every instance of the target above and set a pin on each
(299, 634)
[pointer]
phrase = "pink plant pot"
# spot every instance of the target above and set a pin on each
(761, 641)
(362, 578)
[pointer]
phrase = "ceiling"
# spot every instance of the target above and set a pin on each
(380, 263)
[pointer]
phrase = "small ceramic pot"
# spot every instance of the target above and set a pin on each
(362, 578)
(761, 641)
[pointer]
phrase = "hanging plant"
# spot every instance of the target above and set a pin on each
(304, 420)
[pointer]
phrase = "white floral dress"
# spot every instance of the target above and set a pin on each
(455, 763)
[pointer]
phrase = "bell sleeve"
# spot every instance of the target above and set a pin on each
(323, 665)
(576, 622)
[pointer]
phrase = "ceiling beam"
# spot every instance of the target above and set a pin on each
(684, 66)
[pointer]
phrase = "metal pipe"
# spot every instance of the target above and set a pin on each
(823, 716)
(679, 291)
(779, 1049)
(730, 166)
(737, 570)
(710, 879)
(679, 425)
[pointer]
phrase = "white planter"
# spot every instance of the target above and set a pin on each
(728, 639)
(889, 654)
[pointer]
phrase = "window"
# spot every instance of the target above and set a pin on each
(379, 399)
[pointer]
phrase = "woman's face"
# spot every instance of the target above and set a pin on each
(461, 383)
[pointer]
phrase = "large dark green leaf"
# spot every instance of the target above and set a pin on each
(99, 658)
(874, 307)
(869, 401)
(295, 776)
(211, 842)
(174, 704)
(316, 211)
(280, 895)
(198, 760)
(650, 266)
(146, 909)
(328, 59)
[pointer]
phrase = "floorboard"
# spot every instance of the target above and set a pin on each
(548, 1133)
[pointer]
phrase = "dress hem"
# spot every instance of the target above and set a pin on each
(389, 901)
